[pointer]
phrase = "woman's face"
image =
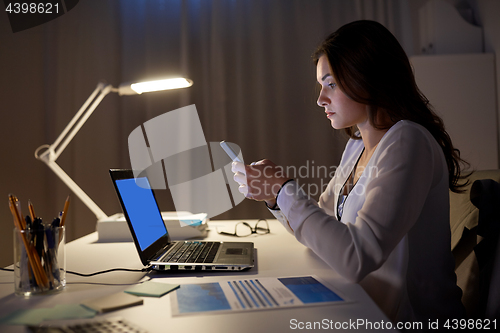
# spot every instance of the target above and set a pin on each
(342, 111)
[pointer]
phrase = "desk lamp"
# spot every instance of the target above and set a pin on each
(52, 152)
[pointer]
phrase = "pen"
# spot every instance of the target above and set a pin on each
(28, 222)
(39, 235)
(55, 223)
(53, 268)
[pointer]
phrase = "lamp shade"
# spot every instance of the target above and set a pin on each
(149, 86)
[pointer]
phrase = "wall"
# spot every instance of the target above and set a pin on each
(486, 13)
(489, 13)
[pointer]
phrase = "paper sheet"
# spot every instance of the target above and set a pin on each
(252, 294)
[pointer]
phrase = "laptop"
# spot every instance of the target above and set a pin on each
(153, 243)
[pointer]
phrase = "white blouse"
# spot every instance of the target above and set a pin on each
(394, 234)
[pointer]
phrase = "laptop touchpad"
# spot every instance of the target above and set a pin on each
(237, 251)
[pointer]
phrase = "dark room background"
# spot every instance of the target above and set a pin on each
(254, 85)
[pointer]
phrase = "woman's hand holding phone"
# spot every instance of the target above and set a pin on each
(259, 181)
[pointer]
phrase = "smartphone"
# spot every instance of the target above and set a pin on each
(230, 152)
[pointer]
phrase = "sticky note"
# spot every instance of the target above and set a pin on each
(70, 311)
(112, 302)
(151, 289)
(25, 317)
(36, 316)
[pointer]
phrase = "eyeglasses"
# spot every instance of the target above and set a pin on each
(243, 229)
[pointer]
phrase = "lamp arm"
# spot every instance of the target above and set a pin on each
(52, 152)
(77, 115)
(77, 190)
(81, 116)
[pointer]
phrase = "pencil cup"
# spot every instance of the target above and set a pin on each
(39, 260)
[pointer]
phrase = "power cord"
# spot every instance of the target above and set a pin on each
(146, 269)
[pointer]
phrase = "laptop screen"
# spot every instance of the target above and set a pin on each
(142, 210)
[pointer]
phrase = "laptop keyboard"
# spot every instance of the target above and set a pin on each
(193, 252)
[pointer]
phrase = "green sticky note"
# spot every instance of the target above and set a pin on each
(25, 317)
(151, 289)
(70, 311)
(112, 302)
(36, 316)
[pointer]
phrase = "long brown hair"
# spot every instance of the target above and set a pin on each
(371, 67)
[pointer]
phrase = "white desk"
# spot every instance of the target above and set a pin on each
(278, 255)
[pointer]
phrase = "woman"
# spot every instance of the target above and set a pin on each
(383, 220)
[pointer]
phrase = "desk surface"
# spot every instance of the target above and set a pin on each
(278, 255)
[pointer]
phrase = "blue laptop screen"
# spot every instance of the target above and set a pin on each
(142, 210)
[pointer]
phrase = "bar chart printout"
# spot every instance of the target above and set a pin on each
(252, 294)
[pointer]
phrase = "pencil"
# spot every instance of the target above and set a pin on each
(65, 212)
(16, 211)
(33, 258)
(32, 210)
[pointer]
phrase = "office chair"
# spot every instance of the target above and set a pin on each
(485, 195)
(474, 217)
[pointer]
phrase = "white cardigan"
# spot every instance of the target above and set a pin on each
(394, 234)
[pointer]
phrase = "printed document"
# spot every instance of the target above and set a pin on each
(252, 294)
